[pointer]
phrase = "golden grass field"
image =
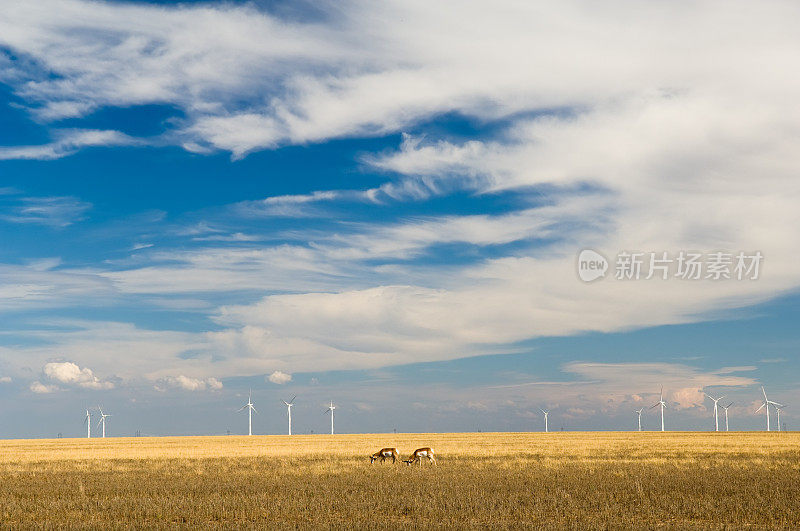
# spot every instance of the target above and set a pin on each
(500, 480)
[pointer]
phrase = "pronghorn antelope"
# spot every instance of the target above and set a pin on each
(418, 455)
(383, 454)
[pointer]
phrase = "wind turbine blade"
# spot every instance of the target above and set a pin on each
(241, 408)
(729, 405)
(720, 398)
(292, 400)
(254, 409)
(655, 405)
(765, 393)
(776, 403)
(761, 407)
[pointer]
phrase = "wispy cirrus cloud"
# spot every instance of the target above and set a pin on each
(57, 212)
(250, 80)
(290, 206)
(67, 142)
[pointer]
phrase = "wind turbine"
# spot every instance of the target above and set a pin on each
(716, 416)
(778, 411)
(102, 420)
(766, 404)
(330, 410)
(250, 409)
(545, 418)
(639, 411)
(289, 405)
(88, 421)
(663, 405)
(726, 414)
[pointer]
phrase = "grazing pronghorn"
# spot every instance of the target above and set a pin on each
(383, 454)
(418, 454)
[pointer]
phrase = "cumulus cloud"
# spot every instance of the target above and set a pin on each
(5, 379)
(279, 377)
(687, 397)
(40, 388)
(186, 383)
(70, 374)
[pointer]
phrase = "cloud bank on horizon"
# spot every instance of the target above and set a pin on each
(641, 126)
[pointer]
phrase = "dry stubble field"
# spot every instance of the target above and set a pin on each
(503, 480)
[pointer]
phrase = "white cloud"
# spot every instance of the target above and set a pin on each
(687, 397)
(280, 378)
(40, 388)
(188, 384)
(641, 378)
(50, 211)
(139, 354)
(68, 373)
(683, 385)
(67, 143)
(5, 379)
(291, 206)
(741, 368)
(249, 80)
(626, 141)
(221, 269)
(140, 246)
(42, 284)
(693, 188)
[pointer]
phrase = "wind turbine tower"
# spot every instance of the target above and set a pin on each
(639, 412)
(102, 420)
(545, 418)
(778, 413)
(289, 405)
(330, 410)
(663, 405)
(88, 421)
(716, 411)
(250, 409)
(726, 414)
(766, 404)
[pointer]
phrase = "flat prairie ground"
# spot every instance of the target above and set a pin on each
(482, 480)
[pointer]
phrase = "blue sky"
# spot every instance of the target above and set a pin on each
(199, 199)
